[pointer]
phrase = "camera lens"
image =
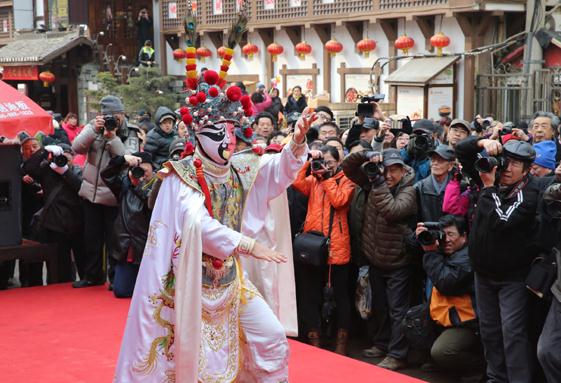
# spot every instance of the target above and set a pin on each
(485, 164)
(317, 164)
(426, 238)
(137, 172)
(371, 170)
(60, 161)
(110, 122)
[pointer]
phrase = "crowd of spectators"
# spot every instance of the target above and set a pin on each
(444, 235)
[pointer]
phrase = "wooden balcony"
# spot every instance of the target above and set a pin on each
(285, 13)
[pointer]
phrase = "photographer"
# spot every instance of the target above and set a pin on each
(130, 179)
(452, 299)
(329, 193)
(420, 144)
(502, 250)
(61, 217)
(159, 139)
(143, 27)
(389, 216)
(103, 138)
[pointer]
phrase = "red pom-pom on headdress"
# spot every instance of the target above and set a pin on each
(187, 118)
(191, 83)
(234, 93)
(211, 77)
(188, 150)
(213, 92)
(183, 110)
(245, 101)
(248, 111)
(248, 133)
(193, 100)
(201, 96)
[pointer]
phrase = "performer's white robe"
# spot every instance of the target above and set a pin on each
(180, 231)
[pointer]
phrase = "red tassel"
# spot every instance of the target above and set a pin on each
(204, 187)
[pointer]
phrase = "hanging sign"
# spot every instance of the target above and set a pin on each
(217, 7)
(5, 26)
(269, 5)
(295, 3)
(25, 72)
(172, 10)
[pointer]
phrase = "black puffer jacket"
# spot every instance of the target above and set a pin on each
(158, 141)
(64, 215)
(293, 105)
(452, 275)
(132, 223)
(389, 216)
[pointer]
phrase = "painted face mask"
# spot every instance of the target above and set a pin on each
(218, 141)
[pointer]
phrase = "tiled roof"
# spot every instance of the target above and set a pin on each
(40, 48)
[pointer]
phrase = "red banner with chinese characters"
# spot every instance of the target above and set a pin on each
(29, 72)
(19, 113)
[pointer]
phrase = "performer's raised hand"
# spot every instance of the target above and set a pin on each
(303, 125)
(261, 252)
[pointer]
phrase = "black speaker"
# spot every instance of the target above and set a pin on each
(10, 195)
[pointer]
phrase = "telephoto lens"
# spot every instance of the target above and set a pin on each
(137, 172)
(60, 161)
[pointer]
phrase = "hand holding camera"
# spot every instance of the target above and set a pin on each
(318, 166)
(132, 161)
(57, 158)
(373, 167)
(429, 235)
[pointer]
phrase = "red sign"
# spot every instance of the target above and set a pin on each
(30, 72)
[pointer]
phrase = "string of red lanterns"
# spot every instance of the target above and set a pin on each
(303, 49)
(439, 41)
(404, 43)
(365, 46)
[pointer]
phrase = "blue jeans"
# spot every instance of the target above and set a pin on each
(125, 278)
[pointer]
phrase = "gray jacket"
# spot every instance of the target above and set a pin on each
(99, 151)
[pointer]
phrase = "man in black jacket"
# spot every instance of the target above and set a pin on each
(63, 218)
(160, 138)
(130, 178)
(502, 250)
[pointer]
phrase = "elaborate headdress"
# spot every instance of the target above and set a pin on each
(207, 99)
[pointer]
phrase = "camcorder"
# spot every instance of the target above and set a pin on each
(371, 169)
(433, 233)
(365, 108)
(486, 164)
(110, 122)
(137, 172)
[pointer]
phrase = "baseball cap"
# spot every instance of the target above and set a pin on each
(444, 151)
(392, 157)
(461, 124)
(424, 126)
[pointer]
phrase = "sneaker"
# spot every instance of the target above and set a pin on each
(392, 364)
(373, 352)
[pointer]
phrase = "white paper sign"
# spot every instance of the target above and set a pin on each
(440, 96)
(239, 5)
(172, 10)
(5, 26)
(217, 7)
(410, 101)
(327, 1)
(268, 4)
(295, 3)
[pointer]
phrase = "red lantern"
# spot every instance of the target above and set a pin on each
(203, 53)
(439, 41)
(179, 54)
(365, 46)
(275, 49)
(47, 77)
(303, 49)
(333, 47)
(249, 50)
(404, 43)
(221, 52)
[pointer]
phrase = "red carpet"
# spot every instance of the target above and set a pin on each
(57, 334)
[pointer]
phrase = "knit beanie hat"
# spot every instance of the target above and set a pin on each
(545, 154)
(111, 104)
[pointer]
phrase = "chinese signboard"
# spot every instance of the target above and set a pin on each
(268, 4)
(217, 7)
(20, 73)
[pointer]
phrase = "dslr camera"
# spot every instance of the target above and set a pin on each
(433, 233)
(110, 122)
(317, 164)
(137, 172)
(486, 164)
(60, 161)
(371, 169)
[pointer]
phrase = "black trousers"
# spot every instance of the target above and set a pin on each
(6, 272)
(549, 345)
(310, 281)
(98, 228)
(391, 297)
(68, 243)
(503, 322)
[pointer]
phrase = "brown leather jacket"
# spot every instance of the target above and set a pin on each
(389, 216)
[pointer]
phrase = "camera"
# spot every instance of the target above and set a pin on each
(486, 164)
(60, 161)
(371, 169)
(317, 164)
(507, 128)
(110, 122)
(434, 233)
(137, 172)
(366, 108)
